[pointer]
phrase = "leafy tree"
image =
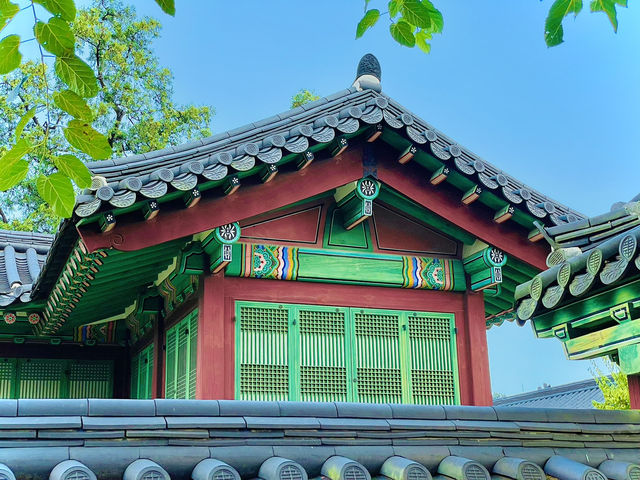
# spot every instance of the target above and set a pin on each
(55, 128)
(413, 22)
(302, 97)
(614, 386)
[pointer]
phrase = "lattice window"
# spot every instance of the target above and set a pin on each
(264, 319)
(181, 355)
(7, 375)
(430, 327)
(41, 378)
(376, 324)
(323, 367)
(263, 352)
(379, 384)
(91, 379)
(259, 382)
(323, 382)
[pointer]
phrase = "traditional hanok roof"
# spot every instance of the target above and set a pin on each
(588, 256)
(234, 440)
(571, 395)
(22, 255)
(252, 149)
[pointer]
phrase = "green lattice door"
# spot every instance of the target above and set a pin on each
(55, 378)
(316, 353)
(432, 366)
(262, 354)
(323, 353)
(181, 355)
(142, 373)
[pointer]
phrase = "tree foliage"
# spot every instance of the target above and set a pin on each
(303, 96)
(613, 385)
(103, 95)
(413, 22)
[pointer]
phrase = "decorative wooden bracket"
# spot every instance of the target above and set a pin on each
(356, 203)
(218, 245)
(484, 268)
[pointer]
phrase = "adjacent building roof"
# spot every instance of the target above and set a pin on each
(22, 255)
(120, 183)
(571, 395)
(587, 256)
(297, 440)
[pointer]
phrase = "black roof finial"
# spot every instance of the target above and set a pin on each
(369, 74)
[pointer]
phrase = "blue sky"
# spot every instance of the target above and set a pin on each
(564, 120)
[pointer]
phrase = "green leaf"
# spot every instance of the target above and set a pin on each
(10, 56)
(63, 8)
(415, 13)
(8, 10)
(19, 150)
(402, 33)
(23, 122)
(56, 36)
(73, 168)
(437, 22)
(394, 7)
(553, 31)
(77, 75)
(82, 136)
(369, 20)
(11, 176)
(57, 191)
(608, 7)
(421, 41)
(167, 6)
(73, 104)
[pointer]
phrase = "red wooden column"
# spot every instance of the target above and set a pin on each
(634, 391)
(157, 384)
(473, 353)
(215, 350)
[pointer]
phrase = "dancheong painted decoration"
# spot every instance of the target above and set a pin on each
(321, 281)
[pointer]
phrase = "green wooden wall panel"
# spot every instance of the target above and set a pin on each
(322, 353)
(181, 354)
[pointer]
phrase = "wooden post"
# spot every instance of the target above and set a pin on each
(215, 355)
(634, 391)
(473, 353)
(157, 384)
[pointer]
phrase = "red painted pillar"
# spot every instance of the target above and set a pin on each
(634, 391)
(475, 380)
(157, 385)
(215, 350)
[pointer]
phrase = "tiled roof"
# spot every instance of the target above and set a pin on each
(589, 255)
(572, 395)
(296, 440)
(122, 182)
(22, 255)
